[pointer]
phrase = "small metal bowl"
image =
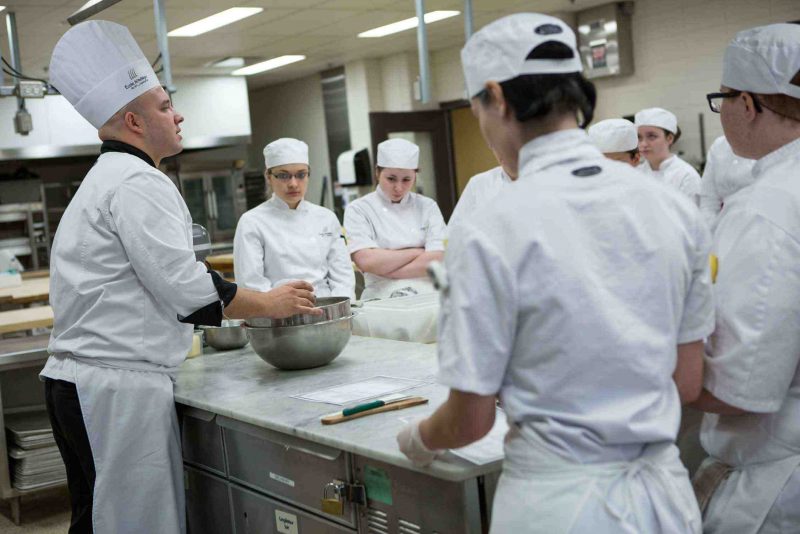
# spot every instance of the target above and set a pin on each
(301, 347)
(332, 308)
(231, 335)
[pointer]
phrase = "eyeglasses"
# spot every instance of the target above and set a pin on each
(715, 100)
(286, 176)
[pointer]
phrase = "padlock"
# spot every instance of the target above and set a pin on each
(332, 499)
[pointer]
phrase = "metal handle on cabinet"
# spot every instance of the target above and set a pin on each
(214, 203)
(209, 206)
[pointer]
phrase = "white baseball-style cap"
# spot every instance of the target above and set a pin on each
(614, 135)
(398, 154)
(99, 68)
(505, 49)
(764, 60)
(285, 151)
(658, 117)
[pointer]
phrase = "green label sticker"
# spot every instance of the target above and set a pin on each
(378, 484)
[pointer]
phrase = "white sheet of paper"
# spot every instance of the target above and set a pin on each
(489, 448)
(370, 388)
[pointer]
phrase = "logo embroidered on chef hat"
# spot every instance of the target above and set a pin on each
(548, 29)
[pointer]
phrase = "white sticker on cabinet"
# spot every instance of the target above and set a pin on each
(283, 480)
(286, 522)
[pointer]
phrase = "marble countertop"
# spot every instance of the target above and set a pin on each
(239, 385)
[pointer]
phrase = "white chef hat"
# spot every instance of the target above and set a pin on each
(614, 135)
(99, 68)
(658, 117)
(285, 151)
(506, 48)
(398, 154)
(764, 60)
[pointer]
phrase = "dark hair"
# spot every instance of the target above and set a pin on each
(675, 136)
(534, 96)
(633, 153)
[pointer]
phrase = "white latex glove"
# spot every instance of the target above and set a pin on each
(411, 445)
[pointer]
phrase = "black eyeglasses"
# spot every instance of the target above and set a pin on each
(715, 100)
(286, 176)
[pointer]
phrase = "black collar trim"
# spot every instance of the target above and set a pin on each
(119, 146)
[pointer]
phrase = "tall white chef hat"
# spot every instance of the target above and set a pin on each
(99, 68)
(764, 60)
(398, 154)
(507, 48)
(658, 117)
(614, 135)
(285, 151)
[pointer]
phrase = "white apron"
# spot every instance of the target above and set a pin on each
(742, 502)
(542, 492)
(135, 439)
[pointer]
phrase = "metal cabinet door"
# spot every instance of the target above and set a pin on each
(254, 513)
(201, 439)
(288, 468)
(222, 190)
(208, 509)
(194, 193)
(401, 501)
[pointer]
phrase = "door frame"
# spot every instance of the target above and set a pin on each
(435, 122)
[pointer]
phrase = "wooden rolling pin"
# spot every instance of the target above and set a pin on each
(336, 418)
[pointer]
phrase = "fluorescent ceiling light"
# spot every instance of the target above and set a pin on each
(2, 8)
(269, 64)
(610, 27)
(408, 24)
(584, 29)
(228, 62)
(223, 18)
(89, 9)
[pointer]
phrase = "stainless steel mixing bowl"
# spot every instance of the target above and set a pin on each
(231, 335)
(332, 308)
(303, 346)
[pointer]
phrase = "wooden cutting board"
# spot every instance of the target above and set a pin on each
(26, 319)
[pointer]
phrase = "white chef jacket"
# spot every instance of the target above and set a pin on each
(275, 244)
(753, 355)
(374, 221)
(123, 270)
(568, 297)
(480, 190)
(676, 173)
(725, 174)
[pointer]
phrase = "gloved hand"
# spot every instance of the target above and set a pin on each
(411, 445)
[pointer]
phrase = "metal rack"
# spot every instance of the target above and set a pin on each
(37, 228)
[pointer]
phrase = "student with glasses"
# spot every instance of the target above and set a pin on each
(287, 238)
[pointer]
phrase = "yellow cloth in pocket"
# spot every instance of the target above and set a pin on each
(714, 267)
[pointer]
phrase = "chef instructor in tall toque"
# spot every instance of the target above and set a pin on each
(125, 291)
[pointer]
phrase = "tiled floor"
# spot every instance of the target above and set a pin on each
(47, 513)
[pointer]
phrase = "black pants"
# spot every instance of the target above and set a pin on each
(73, 442)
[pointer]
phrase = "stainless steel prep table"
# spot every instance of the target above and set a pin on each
(258, 460)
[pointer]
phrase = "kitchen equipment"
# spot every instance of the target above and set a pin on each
(301, 347)
(377, 407)
(230, 335)
(332, 308)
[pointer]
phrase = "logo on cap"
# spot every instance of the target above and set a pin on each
(132, 74)
(548, 29)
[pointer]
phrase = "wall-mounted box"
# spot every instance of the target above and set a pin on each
(605, 40)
